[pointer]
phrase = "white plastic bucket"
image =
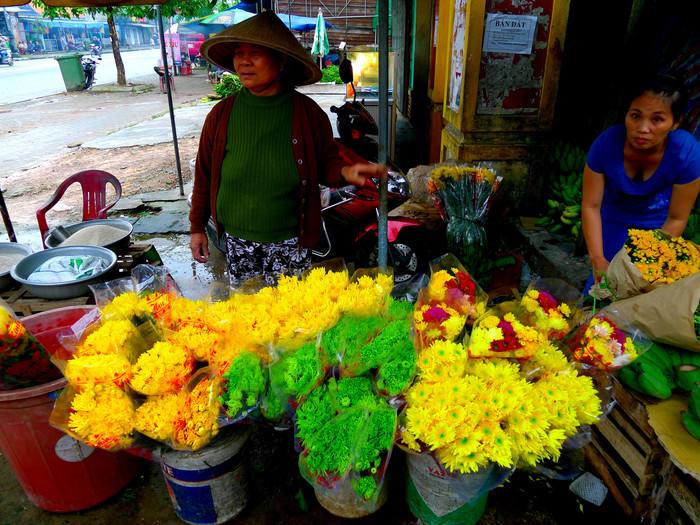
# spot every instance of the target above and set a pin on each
(209, 486)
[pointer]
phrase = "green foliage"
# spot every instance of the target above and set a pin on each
(229, 85)
(330, 74)
(245, 384)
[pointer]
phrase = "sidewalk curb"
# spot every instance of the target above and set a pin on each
(129, 88)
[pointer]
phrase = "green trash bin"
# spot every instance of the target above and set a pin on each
(72, 71)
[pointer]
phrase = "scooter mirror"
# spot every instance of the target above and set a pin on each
(345, 71)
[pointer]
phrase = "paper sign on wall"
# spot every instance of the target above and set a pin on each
(509, 33)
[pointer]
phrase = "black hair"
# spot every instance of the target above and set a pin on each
(666, 86)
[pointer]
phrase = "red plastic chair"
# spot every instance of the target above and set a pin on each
(94, 185)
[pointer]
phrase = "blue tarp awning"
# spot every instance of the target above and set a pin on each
(301, 23)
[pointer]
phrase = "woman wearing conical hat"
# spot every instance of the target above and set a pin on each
(263, 153)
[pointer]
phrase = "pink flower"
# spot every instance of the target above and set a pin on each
(435, 314)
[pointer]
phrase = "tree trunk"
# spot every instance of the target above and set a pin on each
(114, 37)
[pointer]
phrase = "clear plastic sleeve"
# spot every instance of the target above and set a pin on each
(101, 416)
(196, 422)
(552, 306)
(451, 301)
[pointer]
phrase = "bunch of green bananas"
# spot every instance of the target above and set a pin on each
(691, 417)
(565, 190)
(661, 370)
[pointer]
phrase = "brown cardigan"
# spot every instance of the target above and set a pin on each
(315, 151)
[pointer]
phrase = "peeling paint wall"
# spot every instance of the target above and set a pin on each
(511, 84)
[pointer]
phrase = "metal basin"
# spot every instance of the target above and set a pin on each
(121, 245)
(11, 248)
(65, 289)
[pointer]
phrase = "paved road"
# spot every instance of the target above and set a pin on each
(30, 79)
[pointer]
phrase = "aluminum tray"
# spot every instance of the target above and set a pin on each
(65, 289)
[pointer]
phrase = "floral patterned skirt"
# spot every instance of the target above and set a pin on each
(267, 260)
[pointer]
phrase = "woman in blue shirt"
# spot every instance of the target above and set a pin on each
(643, 174)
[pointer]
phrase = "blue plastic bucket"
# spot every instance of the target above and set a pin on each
(209, 486)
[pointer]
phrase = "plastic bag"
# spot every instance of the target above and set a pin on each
(196, 422)
(464, 194)
(100, 415)
(24, 362)
(437, 496)
(451, 301)
(348, 460)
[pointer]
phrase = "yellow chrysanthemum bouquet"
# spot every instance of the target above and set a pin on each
(649, 259)
(451, 300)
(472, 413)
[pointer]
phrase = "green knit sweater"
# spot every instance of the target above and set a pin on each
(258, 195)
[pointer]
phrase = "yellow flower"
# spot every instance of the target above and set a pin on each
(165, 368)
(156, 416)
(98, 369)
(196, 421)
(198, 340)
(102, 416)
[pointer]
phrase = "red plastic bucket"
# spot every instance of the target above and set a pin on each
(58, 473)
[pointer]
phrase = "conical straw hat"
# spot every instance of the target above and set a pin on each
(267, 30)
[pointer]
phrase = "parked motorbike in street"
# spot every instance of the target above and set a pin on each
(89, 64)
(96, 50)
(6, 56)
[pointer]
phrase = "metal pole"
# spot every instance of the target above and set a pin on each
(166, 72)
(383, 110)
(6, 219)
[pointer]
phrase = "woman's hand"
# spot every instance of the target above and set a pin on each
(199, 245)
(600, 266)
(358, 173)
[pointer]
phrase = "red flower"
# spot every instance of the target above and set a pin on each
(547, 301)
(435, 314)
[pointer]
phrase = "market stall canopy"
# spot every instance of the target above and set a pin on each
(301, 23)
(85, 3)
(227, 18)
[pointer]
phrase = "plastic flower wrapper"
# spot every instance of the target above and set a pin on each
(24, 361)
(244, 383)
(292, 377)
(163, 369)
(457, 490)
(551, 306)
(155, 417)
(367, 442)
(452, 300)
(464, 195)
(475, 412)
(350, 334)
(196, 422)
(604, 344)
(651, 258)
(101, 416)
(342, 427)
(502, 335)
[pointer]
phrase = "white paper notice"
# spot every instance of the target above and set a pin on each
(509, 33)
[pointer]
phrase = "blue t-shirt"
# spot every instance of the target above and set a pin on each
(629, 204)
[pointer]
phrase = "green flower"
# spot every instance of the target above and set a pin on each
(245, 384)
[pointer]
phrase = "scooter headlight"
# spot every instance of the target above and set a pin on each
(397, 183)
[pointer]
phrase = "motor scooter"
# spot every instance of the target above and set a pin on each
(6, 56)
(350, 215)
(89, 64)
(96, 50)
